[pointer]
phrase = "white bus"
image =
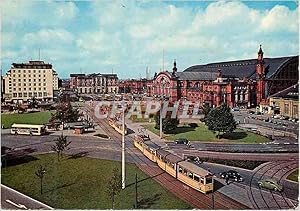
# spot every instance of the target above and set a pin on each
(27, 129)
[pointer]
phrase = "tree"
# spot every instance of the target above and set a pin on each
(65, 113)
(206, 109)
(114, 185)
(33, 103)
(40, 174)
(61, 143)
(168, 123)
(221, 120)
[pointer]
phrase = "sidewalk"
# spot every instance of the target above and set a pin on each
(70, 132)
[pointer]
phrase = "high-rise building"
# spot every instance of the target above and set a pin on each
(27, 80)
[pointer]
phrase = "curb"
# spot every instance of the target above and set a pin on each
(45, 205)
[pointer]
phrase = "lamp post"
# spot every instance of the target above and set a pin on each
(123, 144)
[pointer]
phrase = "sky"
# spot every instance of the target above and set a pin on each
(127, 37)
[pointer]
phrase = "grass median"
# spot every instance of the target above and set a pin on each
(27, 118)
(201, 133)
(81, 184)
(294, 176)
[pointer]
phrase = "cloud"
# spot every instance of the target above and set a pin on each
(99, 36)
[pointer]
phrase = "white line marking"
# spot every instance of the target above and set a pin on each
(45, 205)
(21, 206)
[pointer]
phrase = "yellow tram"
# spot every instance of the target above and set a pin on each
(185, 171)
(117, 125)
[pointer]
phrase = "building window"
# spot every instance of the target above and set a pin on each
(34, 80)
(14, 80)
(44, 88)
(45, 94)
(44, 84)
(35, 94)
(29, 88)
(29, 76)
(295, 111)
(19, 94)
(19, 80)
(19, 89)
(40, 88)
(39, 84)
(24, 88)
(39, 79)
(30, 94)
(24, 84)
(14, 89)
(19, 84)
(34, 84)
(24, 80)
(28, 71)
(15, 94)
(44, 79)
(29, 79)
(25, 94)
(286, 108)
(40, 94)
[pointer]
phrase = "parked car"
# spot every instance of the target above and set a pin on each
(235, 109)
(277, 116)
(181, 141)
(231, 174)
(270, 184)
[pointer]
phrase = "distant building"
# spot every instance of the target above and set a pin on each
(134, 86)
(27, 80)
(244, 83)
(286, 102)
(94, 83)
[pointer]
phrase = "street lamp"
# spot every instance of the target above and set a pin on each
(123, 144)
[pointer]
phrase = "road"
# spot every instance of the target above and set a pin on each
(12, 200)
(266, 147)
(245, 117)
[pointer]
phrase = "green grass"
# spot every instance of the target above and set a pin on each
(201, 133)
(136, 119)
(81, 184)
(27, 118)
(294, 175)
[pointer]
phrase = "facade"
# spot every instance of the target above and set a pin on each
(94, 83)
(27, 80)
(244, 83)
(286, 102)
(134, 86)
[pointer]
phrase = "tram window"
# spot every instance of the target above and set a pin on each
(180, 170)
(202, 180)
(196, 178)
(190, 175)
(185, 172)
(208, 180)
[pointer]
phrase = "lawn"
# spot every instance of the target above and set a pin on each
(294, 175)
(28, 118)
(201, 133)
(81, 184)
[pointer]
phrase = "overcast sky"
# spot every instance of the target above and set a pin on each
(127, 36)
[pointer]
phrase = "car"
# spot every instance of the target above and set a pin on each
(235, 109)
(277, 116)
(181, 141)
(270, 184)
(231, 174)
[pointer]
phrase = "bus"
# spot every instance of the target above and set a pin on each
(27, 129)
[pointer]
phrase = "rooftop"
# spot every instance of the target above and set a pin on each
(291, 93)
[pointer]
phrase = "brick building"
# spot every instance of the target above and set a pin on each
(134, 86)
(243, 83)
(94, 83)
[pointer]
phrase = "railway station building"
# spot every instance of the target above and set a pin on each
(242, 83)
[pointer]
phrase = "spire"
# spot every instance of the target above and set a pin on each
(174, 68)
(260, 50)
